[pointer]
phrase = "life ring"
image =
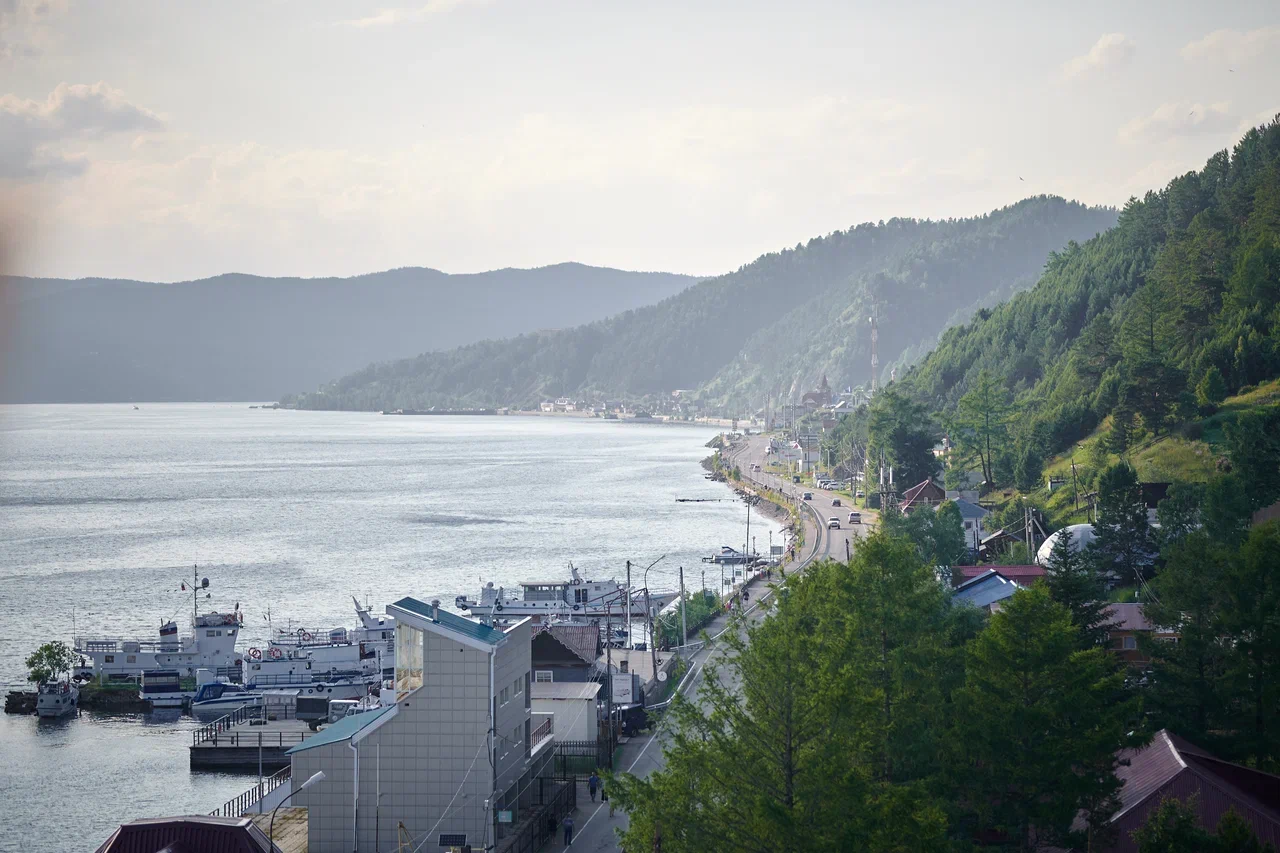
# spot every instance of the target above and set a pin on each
(575, 607)
(497, 607)
(255, 654)
(275, 653)
(306, 636)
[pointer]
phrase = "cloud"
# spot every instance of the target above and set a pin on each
(1110, 51)
(26, 26)
(31, 132)
(1234, 46)
(1180, 119)
(407, 14)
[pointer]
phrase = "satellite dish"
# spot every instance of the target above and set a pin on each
(662, 676)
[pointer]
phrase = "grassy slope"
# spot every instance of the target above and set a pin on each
(1167, 459)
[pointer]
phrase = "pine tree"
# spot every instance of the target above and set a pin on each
(1123, 543)
(1211, 389)
(1074, 584)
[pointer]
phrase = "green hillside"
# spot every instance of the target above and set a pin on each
(788, 316)
(1148, 327)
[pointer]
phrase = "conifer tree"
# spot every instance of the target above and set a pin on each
(1074, 584)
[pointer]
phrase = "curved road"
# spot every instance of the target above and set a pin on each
(595, 828)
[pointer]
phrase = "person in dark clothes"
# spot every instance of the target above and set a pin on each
(593, 783)
(568, 830)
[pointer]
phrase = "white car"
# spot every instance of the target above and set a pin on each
(833, 523)
(855, 518)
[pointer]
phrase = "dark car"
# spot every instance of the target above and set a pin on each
(835, 502)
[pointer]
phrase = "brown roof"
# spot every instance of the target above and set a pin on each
(1021, 575)
(1171, 767)
(582, 640)
(910, 495)
(188, 834)
(1129, 617)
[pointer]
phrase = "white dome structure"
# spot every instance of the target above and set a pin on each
(1081, 535)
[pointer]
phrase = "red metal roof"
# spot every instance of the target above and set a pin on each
(1129, 617)
(1021, 575)
(193, 833)
(1171, 767)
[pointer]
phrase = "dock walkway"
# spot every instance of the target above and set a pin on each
(243, 739)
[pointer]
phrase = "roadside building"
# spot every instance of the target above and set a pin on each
(996, 543)
(1171, 767)
(819, 397)
(972, 516)
(573, 707)
(927, 494)
(459, 754)
(1128, 623)
(565, 653)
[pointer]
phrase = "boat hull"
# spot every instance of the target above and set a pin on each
(49, 705)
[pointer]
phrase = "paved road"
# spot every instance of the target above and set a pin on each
(837, 544)
(595, 829)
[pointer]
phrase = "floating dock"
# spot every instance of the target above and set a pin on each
(239, 741)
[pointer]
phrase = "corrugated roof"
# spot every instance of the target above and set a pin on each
(1129, 617)
(582, 640)
(1022, 575)
(564, 689)
(986, 589)
(969, 509)
(452, 621)
(193, 832)
(341, 730)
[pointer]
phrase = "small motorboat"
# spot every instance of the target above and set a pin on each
(222, 697)
(57, 699)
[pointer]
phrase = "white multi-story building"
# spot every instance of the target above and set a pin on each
(455, 760)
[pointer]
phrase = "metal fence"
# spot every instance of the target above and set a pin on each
(251, 797)
(577, 758)
(227, 728)
(540, 825)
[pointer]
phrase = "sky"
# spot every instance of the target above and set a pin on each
(172, 140)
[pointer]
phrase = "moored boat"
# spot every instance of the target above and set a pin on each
(574, 598)
(57, 698)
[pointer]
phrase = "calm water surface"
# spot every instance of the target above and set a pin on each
(103, 511)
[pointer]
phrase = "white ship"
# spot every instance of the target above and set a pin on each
(211, 645)
(56, 698)
(572, 598)
(302, 656)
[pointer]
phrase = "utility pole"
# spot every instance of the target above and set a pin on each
(653, 641)
(684, 625)
(1075, 486)
(628, 603)
(608, 666)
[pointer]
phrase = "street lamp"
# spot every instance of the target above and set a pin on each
(271, 829)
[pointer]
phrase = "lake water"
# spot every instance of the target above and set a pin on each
(104, 509)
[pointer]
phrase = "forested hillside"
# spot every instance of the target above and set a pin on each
(242, 337)
(785, 318)
(1153, 323)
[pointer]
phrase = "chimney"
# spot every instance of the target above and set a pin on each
(435, 610)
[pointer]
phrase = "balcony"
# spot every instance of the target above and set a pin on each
(541, 732)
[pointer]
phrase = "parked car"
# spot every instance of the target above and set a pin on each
(835, 502)
(855, 518)
(796, 479)
(860, 494)
(808, 496)
(833, 523)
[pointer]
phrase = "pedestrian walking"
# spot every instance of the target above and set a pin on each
(593, 782)
(568, 830)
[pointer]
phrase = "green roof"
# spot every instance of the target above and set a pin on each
(452, 621)
(341, 730)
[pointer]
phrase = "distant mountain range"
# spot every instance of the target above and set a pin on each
(774, 324)
(243, 337)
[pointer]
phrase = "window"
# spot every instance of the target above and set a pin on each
(968, 525)
(504, 695)
(544, 676)
(518, 687)
(131, 659)
(622, 666)
(409, 644)
(517, 735)
(109, 659)
(1130, 643)
(209, 633)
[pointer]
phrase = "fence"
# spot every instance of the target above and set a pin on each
(540, 825)
(224, 728)
(251, 797)
(577, 758)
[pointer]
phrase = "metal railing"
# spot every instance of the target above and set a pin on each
(539, 824)
(541, 733)
(224, 727)
(250, 798)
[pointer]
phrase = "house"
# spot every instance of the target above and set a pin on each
(986, 590)
(638, 664)
(189, 833)
(565, 653)
(998, 542)
(1021, 575)
(972, 517)
(465, 753)
(1127, 623)
(925, 494)
(1171, 767)
(819, 397)
(573, 707)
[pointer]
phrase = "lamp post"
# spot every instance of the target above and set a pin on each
(318, 776)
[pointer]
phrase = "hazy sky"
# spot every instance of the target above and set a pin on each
(169, 140)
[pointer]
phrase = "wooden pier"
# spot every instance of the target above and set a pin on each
(245, 737)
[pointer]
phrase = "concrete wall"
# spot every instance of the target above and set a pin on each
(511, 671)
(575, 719)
